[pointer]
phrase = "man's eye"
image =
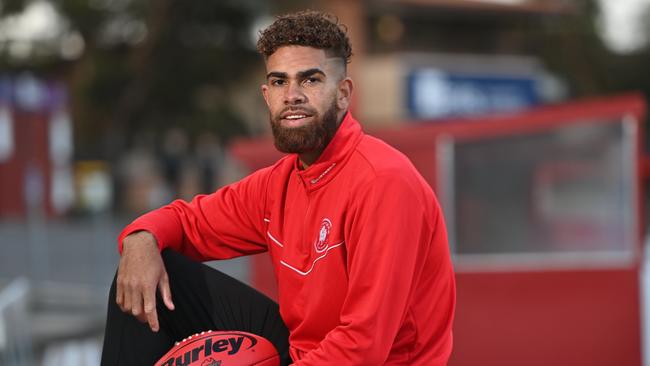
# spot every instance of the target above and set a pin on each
(277, 82)
(312, 80)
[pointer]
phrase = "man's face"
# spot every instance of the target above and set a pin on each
(304, 94)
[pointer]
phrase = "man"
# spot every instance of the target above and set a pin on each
(356, 235)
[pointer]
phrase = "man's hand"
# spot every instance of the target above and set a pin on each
(140, 272)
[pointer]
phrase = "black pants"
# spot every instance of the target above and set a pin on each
(204, 299)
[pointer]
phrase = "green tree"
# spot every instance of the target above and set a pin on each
(146, 66)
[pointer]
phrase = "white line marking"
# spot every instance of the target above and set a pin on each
(274, 239)
(314, 262)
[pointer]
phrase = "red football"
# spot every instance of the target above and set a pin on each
(222, 348)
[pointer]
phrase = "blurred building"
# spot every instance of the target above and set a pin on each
(36, 147)
(430, 59)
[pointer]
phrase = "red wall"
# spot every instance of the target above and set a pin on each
(568, 318)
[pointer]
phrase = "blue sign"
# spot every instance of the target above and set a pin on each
(434, 93)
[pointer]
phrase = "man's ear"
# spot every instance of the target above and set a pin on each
(344, 94)
(265, 93)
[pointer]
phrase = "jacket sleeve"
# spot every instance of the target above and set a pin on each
(225, 224)
(391, 237)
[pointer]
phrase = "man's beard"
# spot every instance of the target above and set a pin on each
(309, 138)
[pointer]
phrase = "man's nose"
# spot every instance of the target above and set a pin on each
(294, 94)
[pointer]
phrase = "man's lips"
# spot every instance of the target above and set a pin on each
(295, 113)
(294, 118)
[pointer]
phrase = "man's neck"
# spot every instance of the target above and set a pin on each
(309, 158)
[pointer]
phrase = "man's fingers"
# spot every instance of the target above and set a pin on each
(150, 309)
(142, 318)
(165, 291)
(141, 272)
(136, 301)
(119, 294)
(126, 299)
(152, 319)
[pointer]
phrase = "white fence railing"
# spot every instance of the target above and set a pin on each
(15, 336)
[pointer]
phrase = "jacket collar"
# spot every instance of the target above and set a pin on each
(334, 156)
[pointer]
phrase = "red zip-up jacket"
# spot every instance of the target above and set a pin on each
(359, 246)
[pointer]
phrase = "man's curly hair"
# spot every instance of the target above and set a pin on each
(306, 28)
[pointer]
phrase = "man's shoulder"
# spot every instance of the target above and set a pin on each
(381, 166)
(382, 172)
(261, 177)
(381, 158)
(285, 163)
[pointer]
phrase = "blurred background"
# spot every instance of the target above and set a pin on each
(527, 117)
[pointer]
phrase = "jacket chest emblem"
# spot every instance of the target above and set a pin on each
(322, 242)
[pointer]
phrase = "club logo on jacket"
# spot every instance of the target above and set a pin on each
(321, 242)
